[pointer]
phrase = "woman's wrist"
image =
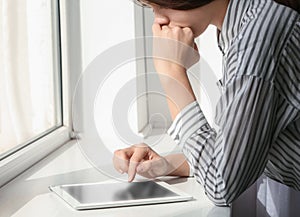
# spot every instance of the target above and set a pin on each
(178, 90)
(178, 166)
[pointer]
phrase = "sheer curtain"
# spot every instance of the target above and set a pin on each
(26, 71)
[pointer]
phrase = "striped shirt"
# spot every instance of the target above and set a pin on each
(258, 113)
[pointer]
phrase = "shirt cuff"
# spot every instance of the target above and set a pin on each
(187, 122)
(191, 169)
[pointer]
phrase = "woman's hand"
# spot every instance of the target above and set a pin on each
(174, 48)
(140, 159)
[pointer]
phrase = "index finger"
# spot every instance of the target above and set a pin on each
(136, 158)
(121, 159)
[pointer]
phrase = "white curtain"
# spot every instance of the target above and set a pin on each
(15, 85)
(26, 71)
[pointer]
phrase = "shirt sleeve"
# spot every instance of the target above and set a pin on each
(228, 161)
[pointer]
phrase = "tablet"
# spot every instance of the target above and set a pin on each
(107, 195)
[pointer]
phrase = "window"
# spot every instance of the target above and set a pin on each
(31, 87)
(30, 91)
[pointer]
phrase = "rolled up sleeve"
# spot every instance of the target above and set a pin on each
(228, 161)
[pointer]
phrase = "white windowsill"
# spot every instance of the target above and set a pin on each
(28, 194)
(15, 164)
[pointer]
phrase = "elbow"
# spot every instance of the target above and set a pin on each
(219, 200)
(220, 194)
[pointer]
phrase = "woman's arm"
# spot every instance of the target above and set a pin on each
(174, 50)
(226, 162)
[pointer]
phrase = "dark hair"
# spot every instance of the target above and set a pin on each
(175, 4)
(294, 4)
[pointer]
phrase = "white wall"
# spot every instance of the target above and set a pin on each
(210, 72)
(103, 26)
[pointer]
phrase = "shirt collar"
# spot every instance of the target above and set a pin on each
(232, 23)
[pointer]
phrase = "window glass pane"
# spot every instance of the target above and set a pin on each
(29, 71)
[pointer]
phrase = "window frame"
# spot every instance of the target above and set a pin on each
(23, 158)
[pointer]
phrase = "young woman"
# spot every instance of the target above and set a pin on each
(258, 114)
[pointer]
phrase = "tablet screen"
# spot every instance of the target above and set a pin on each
(102, 195)
(117, 192)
